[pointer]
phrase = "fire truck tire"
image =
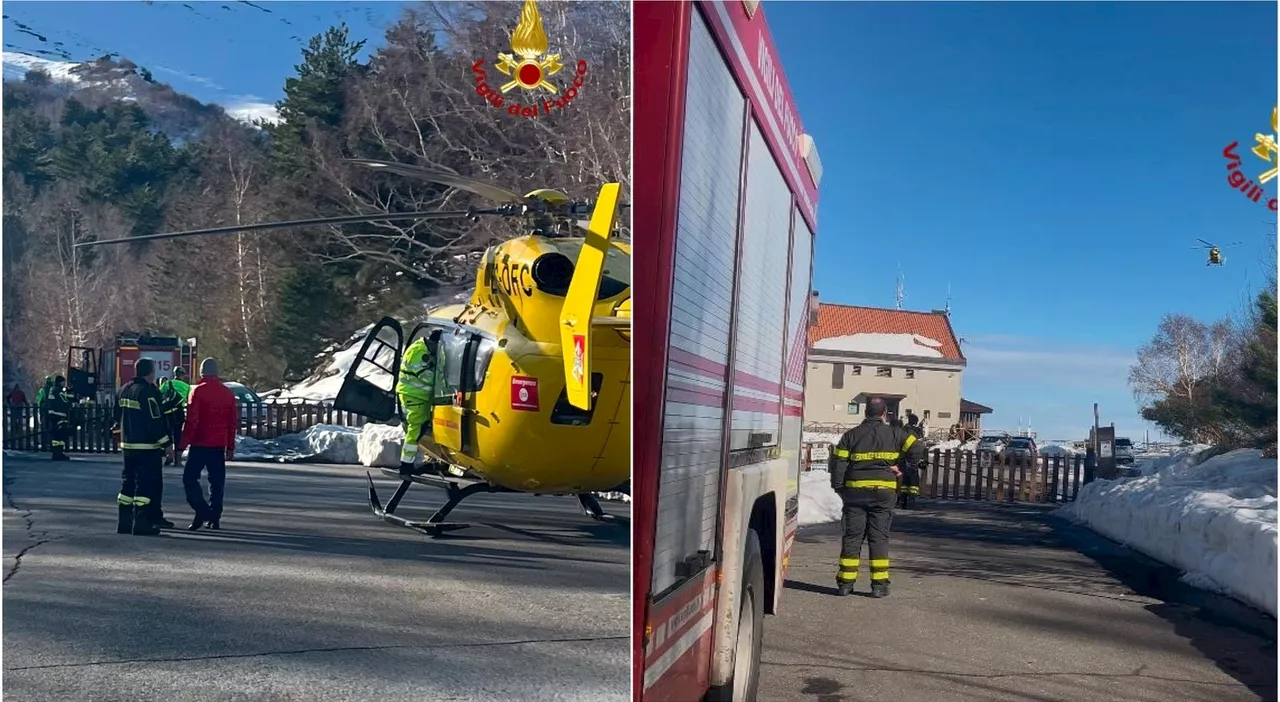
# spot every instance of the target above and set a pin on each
(749, 644)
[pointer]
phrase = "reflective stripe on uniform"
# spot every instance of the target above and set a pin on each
(877, 456)
(139, 501)
(124, 499)
(911, 440)
(841, 453)
(144, 447)
(57, 413)
(130, 404)
(408, 453)
(879, 568)
(848, 569)
(886, 484)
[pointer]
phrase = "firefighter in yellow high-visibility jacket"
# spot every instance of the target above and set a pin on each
(416, 388)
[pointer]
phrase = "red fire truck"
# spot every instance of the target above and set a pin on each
(724, 302)
(99, 373)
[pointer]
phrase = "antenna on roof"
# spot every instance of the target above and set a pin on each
(947, 309)
(898, 293)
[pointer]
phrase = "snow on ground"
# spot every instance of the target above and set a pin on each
(895, 344)
(819, 504)
(1214, 519)
(323, 443)
(1055, 449)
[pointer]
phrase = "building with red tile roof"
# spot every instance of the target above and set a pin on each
(911, 359)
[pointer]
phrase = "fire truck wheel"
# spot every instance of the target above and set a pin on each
(749, 644)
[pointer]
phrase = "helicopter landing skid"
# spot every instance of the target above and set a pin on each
(591, 507)
(435, 526)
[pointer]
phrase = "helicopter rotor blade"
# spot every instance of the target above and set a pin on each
(453, 180)
(1202, 241)
(271, 226)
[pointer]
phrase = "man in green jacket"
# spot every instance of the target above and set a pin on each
(416, 388)
(41, 417)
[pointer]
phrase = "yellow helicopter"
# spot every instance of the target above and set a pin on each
(1215, 252)
(533, 372)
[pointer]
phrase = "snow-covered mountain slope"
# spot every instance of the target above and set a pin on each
(106, 79)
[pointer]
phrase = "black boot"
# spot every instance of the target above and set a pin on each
(406, 469)
(161, 522)
(880, 588)
(844, 587)
(196, 523)
(141, 525)
(125, 525)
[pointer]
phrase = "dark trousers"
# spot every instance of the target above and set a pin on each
(141, 479)
(909, 487)
(215, 461)
(59, 435)
(867, 514)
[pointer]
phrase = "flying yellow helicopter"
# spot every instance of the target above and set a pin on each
(533, 372)
(1215, 252)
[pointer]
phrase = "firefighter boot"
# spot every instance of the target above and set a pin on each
(125, 524)
(880, 588)
(844, 587)
(406, 469)
(142, 526)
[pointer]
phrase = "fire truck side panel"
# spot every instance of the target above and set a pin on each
(661, 75)
(702, 290)
(762, 301)
(797, 354)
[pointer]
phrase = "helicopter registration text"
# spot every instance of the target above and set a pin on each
(524, 393)
(509, 279)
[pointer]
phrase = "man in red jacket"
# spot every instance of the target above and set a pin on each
(210, 431)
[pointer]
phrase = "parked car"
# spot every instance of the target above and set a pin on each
(1124, 451)
(991, 444)
(252, 410)
(1022, 447)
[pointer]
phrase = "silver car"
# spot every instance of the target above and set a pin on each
(1020, 447)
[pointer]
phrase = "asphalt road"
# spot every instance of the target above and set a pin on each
(305, 595)
(997, 602)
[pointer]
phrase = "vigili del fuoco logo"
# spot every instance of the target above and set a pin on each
(1265, 149)
(529, 69)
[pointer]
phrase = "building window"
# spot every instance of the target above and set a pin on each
(911, 374)
(837, 375)
(884, 372)
(944, 415)
(856, 370)
(853, 408)
(926, 415)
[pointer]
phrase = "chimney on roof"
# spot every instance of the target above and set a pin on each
(813, 308)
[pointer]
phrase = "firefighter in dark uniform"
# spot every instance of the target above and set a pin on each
(144, 437)
(909, 487)
(864, 472)
(57, 406)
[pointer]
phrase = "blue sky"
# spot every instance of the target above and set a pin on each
(233, 53)
(1053, 162)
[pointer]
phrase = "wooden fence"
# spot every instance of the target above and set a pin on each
(965, 475)
(25, 430)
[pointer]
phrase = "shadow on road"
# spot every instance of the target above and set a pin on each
(989, 542)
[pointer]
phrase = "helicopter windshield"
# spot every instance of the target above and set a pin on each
(616, 276)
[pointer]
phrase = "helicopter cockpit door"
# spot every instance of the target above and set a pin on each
(370, 383)
(455, 382)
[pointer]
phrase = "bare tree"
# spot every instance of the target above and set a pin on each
(1183, 353)
(417, 104)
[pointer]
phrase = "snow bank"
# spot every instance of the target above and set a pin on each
(894, 344)
(818, 437)
(323, 443)
(379, 445)
(1057, 450)
(819, 504)
(1214, 519)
